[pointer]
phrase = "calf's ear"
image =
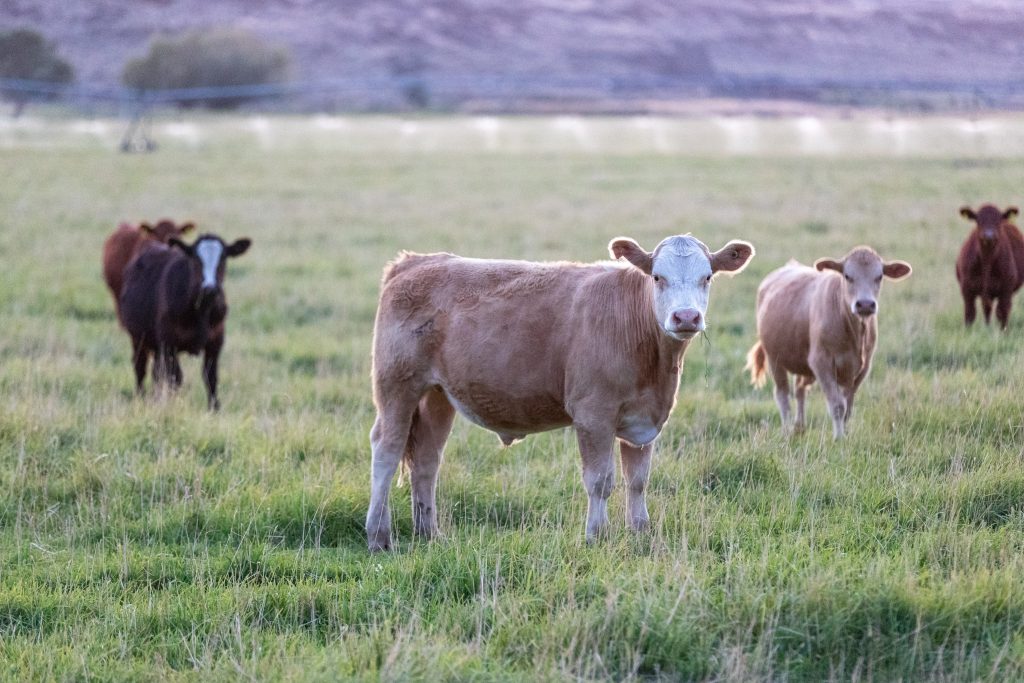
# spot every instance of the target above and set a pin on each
(896, 270)
(829, 264)
(175, 242)
(1010, 212)
(187, 227)
(239, 247)
(146, 228)
(968, 213)
(732, 258)
(624, 247)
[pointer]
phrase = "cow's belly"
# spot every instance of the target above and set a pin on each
(511, 417)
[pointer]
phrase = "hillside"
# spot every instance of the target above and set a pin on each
(606, 44)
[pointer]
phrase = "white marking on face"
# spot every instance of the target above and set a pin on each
(682, 274)
(209, 253)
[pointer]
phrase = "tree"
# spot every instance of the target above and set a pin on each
(208, 58)
(26, 54)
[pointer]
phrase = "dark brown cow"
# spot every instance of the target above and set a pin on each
(520, 347)
(991, 263)
(173, 301)
(127, 241)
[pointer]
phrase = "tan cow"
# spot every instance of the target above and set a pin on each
(820, 323)
(520, 347)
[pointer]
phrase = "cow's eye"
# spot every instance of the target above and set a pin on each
(848, 278)
(878, 279)
(657, 278)
(706, 281)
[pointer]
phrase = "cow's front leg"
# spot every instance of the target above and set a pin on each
(970, 308)
(596, 445)
(824, 371)
(211, 355)
(636, 468)
(1003, 309)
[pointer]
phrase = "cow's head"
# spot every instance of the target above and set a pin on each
(680, 270)
(165, 229)
(210, 253)
(863, 270)
(989, 222)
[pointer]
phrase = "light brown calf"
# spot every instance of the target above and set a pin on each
(127, 241)
(820, 323)
(520, 347)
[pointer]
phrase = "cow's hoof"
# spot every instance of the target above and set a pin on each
(379, 542)
(641, 525)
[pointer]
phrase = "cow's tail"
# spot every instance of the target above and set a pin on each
(757, 363)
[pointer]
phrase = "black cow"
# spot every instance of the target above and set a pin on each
(172, 300)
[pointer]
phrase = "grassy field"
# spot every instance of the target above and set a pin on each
(153, 540)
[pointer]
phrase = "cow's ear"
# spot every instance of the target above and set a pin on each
(146, 228)
(175, 242)
(239, 247)
(624, 247)
(968, 213)
(187, 227)
(896, 270)
(1010, 213)
(732, 258)
(829, 264)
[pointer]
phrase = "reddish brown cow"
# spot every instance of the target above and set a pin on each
(820, 324)
(991, 263)
(172, 301)
(520, 347)
(127, 241)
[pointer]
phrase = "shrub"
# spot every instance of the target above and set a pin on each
(26, 54)
(208, 58)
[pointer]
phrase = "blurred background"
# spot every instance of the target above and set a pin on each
(588, 56)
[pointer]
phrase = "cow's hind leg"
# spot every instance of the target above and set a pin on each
(636, 468)
(140, 358)
(388, 439)
(781, 379)
(431, 424)
(596, 445)
(986, 308)
(802, 385)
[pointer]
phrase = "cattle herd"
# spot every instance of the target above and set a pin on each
(521, 347)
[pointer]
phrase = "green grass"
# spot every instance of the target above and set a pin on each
(152, 540)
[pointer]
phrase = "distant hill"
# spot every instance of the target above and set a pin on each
(602, 47)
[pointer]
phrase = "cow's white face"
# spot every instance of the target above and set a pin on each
(862, 270)
(681, 269)
(210, 252)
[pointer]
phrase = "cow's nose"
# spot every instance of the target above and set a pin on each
(686, 320)
(865, 306)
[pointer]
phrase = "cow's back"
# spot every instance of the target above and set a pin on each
(785, 301)
(118, 250)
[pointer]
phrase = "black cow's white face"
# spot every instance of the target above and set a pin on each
(210, 252)
(681, 269)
